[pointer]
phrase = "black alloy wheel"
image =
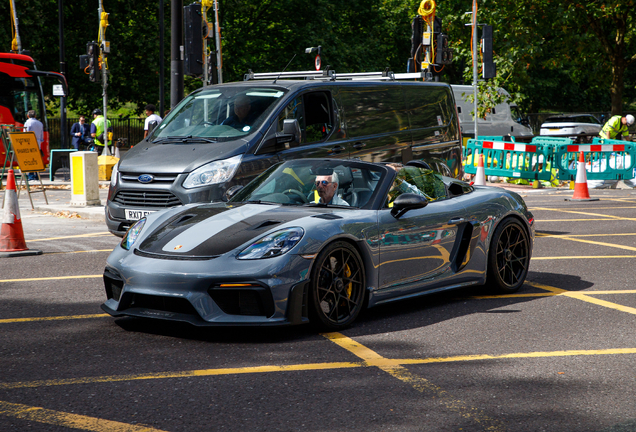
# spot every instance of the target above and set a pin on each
(509, 257)
(337, 287)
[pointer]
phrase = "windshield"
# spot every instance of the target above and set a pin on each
(311, 182)
(18, 96)
(219, 113)
(573, 119)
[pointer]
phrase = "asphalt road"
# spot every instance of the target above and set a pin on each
(560, 355)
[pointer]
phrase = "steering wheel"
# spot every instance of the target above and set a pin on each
(293, 193)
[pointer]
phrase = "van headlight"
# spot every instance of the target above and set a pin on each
(273, 245)
(213, 173)
(113, 175)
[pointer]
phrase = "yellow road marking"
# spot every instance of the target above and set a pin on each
(74, 421)
(74, 252)
(585, 208)
(51, 278)
(546, 287)
(630, 248)
(498, 296)
(610, 292)
(537, 354)
(184, 374)
(371, 358)
(540, 234)
(583, 213)
(52, 318)
(582, 257)
(584, 296)
(100, 234)
(624, 200)
(584, 220)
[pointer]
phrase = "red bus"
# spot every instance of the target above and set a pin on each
(21, 91)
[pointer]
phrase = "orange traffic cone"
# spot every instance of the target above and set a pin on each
(480, 176)
(11, 235)
(580, 185)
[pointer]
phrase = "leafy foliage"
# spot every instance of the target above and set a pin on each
(563, 55)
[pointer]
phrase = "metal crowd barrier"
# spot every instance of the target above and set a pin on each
(508, 159)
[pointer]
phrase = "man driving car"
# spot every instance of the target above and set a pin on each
(327, 186)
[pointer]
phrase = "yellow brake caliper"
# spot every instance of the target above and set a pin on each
(347, 272)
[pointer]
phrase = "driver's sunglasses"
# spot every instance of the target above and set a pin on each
(322, 182)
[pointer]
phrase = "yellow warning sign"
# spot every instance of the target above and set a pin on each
(25, 146)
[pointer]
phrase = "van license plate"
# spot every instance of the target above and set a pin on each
(137, 214)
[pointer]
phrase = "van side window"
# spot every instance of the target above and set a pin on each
(313, 112)
(318, 117)
(374, 109)
(293, 110)
(425, 104)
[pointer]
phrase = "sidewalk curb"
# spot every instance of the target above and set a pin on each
(87, 213)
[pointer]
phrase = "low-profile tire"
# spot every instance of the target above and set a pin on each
(337, 287)
(509, 257)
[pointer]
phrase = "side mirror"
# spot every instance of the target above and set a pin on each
(151, 126)
(406, 202)
(291, 132)
(281, 140)
(232, 191)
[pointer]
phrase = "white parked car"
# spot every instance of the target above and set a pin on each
(579, 127)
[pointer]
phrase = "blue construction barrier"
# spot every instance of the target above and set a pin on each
(508, 159)
(605, 160)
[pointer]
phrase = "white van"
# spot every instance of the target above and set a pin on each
(505, 118)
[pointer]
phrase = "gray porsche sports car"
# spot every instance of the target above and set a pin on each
(318, 240)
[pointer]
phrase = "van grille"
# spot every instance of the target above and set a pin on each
(152, 199)
(158, 178)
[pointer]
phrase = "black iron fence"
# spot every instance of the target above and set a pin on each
(131, 129)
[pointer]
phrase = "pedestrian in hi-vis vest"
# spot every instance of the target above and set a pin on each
(617, 127)
(97, 128)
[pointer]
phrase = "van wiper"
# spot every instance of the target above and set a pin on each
(190, 138)
(185, 139)
(166, 139)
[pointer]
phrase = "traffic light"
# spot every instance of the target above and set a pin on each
(92, 50)
(193, 40)
(443, 54)
(489, 69)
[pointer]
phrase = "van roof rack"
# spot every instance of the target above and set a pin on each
(331, 75)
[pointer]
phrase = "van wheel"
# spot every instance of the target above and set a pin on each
(509, 257)
(337, 287)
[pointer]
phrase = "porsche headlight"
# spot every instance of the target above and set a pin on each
(273, 245)
(132, 234)
(213, 173)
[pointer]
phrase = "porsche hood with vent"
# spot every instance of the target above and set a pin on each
(215, 229)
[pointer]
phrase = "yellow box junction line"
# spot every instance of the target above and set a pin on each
(74, 421)
(422, 385)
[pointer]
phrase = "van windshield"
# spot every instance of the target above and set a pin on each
(220, 114)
